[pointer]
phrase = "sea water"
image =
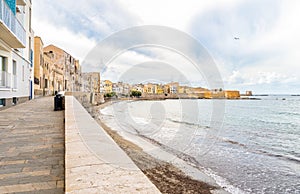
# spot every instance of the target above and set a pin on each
(247, 146)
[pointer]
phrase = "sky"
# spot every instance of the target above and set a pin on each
(253, 43)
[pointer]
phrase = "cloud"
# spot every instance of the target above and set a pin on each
(93, 18)
(75, 44)
(266, 54)
(163, 61)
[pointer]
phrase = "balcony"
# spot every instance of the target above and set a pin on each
(5, 79)
(12, 31)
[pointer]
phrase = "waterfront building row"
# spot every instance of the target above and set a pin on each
(169, 90)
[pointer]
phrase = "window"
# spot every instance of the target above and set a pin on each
(2, 102)
(41, 60)
(14, 67)
(23, 73)
(4, 76)
(46, 83)
(14, 100)
(14, 74)
(3, 63)
(29, 42)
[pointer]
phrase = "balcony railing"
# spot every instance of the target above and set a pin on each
(11, 22)
(5, 81)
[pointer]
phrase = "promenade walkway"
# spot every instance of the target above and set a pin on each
(32, 148)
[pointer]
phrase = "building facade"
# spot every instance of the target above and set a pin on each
(38, 66)
(173, 87)
(106, 87)
(16, 52)
(121, 89)
(91, 82)
(66, 71)
(232, 94)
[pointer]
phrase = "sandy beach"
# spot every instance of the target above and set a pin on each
(167, 177)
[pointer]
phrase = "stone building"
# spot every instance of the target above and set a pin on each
(91, 82)
(66, 64)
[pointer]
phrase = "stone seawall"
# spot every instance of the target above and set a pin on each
(94, 162)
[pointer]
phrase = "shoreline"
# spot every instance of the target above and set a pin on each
(164, 175)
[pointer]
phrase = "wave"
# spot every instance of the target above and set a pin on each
(281, 156)
(276, 155)
(233, 142)
(289, 113)
(275, 122)
(188, 123)
(258, 151)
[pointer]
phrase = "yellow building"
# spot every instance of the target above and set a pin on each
(208, 94)
(160, 89)
(181, 89)
(108, 86)
(38, 66)
(150, 88)
(232, 94)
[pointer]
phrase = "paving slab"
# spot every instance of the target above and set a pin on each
(32, 148)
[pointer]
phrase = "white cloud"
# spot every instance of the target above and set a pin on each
(77, 45)
(268, 51)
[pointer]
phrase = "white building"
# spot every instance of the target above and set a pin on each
(121, 89)
(138, 87)
(16, 52)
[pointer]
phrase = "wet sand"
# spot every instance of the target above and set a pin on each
(166, 177)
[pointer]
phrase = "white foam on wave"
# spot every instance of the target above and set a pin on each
(106, 111)
(224, 183)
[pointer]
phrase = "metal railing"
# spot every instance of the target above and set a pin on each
(5, 81)
(11, 22)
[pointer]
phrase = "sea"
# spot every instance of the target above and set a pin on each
(246, 146)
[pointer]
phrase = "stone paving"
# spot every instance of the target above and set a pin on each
(32, 148)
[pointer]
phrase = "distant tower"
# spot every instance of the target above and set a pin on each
(248, 93)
